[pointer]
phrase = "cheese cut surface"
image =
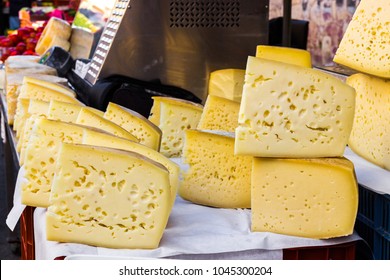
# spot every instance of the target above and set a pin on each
(365, 43)
(21, 114)
(219, 114)
(371, 128)
(89, 118)
(292, 111)
(216, 177)
(34, 86)
(108, 198)
(41, 156)
(146, 132)
(283, 54)
(63, 111)
(35, 107)
(176, 116)
(91, 137)
(227, 83)
(25, 134)
(314, 198)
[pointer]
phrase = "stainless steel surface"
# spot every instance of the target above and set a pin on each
(180, 42)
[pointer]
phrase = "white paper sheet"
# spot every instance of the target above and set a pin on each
(18, 208)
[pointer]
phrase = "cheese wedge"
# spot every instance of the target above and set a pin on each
(63, 111)
(108, 198)
(227, 83)
(33, 87)
(25, 133)
(176, 116)
(216, 177)
(365, 44)
(219, 114)
(95, 138)
(35, 107)
(314, 198)
(371, 128)
(292, 111)
(284, 54)
(146, 132)
(89, 118)
(41, 155)
(21, 115)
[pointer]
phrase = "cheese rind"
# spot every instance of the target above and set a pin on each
(284, 54)
(292, 111)
(365, 44)
(370, 133)
(216, 177)
(108, 198)
(227, 83)
(314, 198)
(219, 114)
(146, 132)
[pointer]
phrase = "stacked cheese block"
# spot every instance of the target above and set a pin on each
(369, 54)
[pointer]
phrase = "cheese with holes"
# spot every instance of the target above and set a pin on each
(227, 83)
(41, 155)
(219, 114)
(35, 107)
(89, 118)
(314, 198)
(147, 133)
(371, 128)
(25, 133)
(365, 44)
(63, 111)
(56, 33)
(284, 54)
(176, 116)
(292, 111)
(216, 177)
(91, 137)
(108, 198)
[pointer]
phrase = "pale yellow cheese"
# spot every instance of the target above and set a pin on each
(63, 111)
(147, 133)
(108, 198)
(21, 115)
(285, 54)
(216, 177)
(219, 114)
(89, 118)
(365, 43)
(33, 86)
(314, 198)
(176, 116)
(292, 111)
(95, 138)
(25, 133)
(227, 83)
(371, 128)
(35, 107)
(41, 155)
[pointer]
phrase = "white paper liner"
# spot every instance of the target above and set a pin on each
(18, 208)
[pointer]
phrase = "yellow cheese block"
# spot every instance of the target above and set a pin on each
(284, 54)
(365, 44)
(41, 156)
(63, 111)
(216, 177)
(147, 133)
(25, 133)
(371, 128)
(35, 107)
(33, 87)
(227, 83)
(95, 138)
(89, 118)
(219, 114)
(108, 198)
(314, 198)
(21, 115)
(292, 111)
(176, 116)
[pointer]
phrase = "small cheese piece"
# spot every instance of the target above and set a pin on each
(108, 198)
(25, 133)
(216, 177)
(365, 44)
(176, 116)
(21, 115)
(284, 54)
(147, 133)
(314, 198)
(371, 128)
(33, 86)
(35, 107)
(292, 111)
(63, 111)
(219, 114)
(89, 118)
(227, 83)
(95, 138)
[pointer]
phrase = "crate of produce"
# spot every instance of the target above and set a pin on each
(373, 222)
